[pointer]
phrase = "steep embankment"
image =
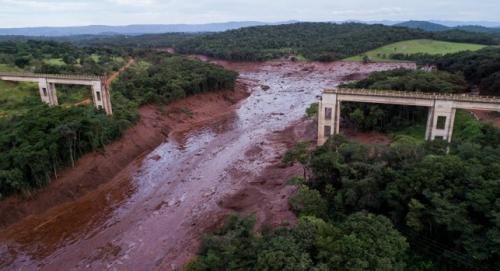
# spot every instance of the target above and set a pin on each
(96, 168)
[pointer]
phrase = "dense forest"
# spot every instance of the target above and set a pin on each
(314, 41)
(35, 145)
(407, 206)
(480, 68)
(388, 118)
(163, 79)
(61, 58)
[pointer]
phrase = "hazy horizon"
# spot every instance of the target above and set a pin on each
(53, 13)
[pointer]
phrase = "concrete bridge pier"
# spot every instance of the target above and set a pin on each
(442, 108)
(101, 97)
(440, 121)
(48, 92)
(329, 117)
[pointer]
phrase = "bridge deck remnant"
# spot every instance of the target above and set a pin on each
(46, 84)
(442, 108)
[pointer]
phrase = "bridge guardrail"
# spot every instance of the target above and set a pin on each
(416, 95)
(55, 76)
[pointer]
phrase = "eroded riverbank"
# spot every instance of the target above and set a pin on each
(153, 212)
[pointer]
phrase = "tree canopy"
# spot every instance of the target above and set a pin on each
(314, 41)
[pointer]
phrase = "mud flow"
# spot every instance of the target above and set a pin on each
(152, 214)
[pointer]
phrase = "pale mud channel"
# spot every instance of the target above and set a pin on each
(152, 214)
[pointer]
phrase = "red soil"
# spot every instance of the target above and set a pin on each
(115, 75)
(488, 117)
(94, 169)
(117, 210)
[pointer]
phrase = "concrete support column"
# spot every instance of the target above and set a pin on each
(430, 123)
(44, 91)
(53, 94)
(441, 121)
(48, 92)
(101, 97)
(328, 117)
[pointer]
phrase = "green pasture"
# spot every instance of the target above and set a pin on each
(425, 46)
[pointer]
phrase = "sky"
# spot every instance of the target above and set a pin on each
(23, 13)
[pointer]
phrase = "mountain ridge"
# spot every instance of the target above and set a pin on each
(139, 29)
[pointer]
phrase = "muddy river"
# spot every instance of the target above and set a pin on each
(152, 214)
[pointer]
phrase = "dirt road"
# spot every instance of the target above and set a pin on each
(152, 213)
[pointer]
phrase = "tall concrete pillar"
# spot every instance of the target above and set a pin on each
(430, 123)
(328, 117)
(440, 121)
(48, 92)
(44, 90)
(101, 97)
(53, 94)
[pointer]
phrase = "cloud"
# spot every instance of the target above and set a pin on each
(16, 13)
(44, 5)
(136, 3)
(360, 13)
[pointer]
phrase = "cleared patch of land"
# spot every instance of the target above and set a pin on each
(425, 46)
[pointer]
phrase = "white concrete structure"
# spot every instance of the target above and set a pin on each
(442, 108)
(48, 93)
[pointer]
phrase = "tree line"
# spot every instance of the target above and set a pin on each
(163, 78)
(481, 68)
(36, 56)
(314, 41)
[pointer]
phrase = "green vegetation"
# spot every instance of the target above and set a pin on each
(167, 40)
(8, 68)
(423, 46)
(17, 98)
(54, 62)
(55, 57)
(169, 78)
(407, 206)
(360, 242)
(314, 41)
(393, 118)
(480, 68)
(37, 142)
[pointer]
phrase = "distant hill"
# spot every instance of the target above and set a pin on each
(315, 41)
(424, 25)
(129, 29)
(435, 27)
(479, 29)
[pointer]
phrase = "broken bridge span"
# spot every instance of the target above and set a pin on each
(46, 85)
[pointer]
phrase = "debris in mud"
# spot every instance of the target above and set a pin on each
(265, 87)
(156, 158)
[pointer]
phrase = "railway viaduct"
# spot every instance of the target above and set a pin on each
(442, 108)
(46, 85)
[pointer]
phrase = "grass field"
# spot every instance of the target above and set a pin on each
(416, 46)
(8, 68)
(14, 97)
(55, 62)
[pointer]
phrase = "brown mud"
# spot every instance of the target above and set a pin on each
(149, 214)
(96, 168)
(488, 117)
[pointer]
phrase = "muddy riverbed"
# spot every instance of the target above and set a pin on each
(151, 214)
